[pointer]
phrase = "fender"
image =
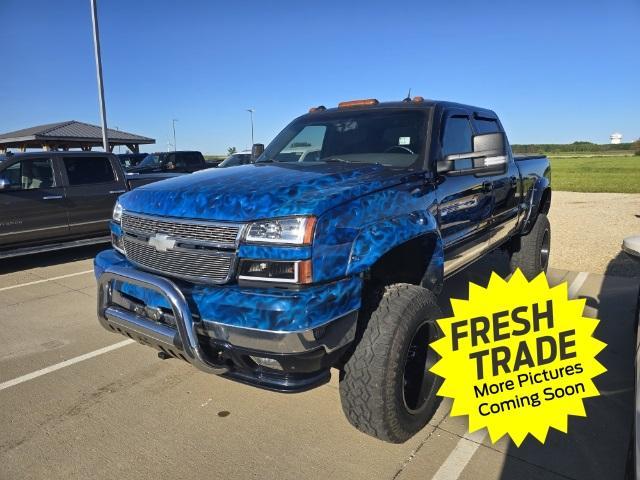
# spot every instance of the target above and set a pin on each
(380, 238)
(540, 192)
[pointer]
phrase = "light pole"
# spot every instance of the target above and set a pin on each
(96, 50)
(251, 110)
(173, 123)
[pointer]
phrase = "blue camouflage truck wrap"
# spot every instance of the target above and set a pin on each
(261, 273)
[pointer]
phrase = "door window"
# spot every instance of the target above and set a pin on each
(457, 135)
(29, 174)
(87, 170)
(192, 159)
(486, 125)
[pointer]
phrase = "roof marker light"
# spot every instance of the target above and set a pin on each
(320, 108)
(358, 103)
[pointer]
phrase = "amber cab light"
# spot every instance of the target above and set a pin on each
(358, 103)
(417, 99)
(320, 108)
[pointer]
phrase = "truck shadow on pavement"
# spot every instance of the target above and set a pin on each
(47, 259)
(595, 446)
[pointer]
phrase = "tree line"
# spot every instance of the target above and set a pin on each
(576, 147)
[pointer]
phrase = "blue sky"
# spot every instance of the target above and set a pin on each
(555, 71)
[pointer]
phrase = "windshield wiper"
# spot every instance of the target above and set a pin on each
(335, 160)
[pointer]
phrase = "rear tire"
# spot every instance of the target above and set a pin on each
(533, 256)
(386, 389)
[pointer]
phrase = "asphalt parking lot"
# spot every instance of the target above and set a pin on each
(71, 408)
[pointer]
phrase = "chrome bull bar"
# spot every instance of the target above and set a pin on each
(184, 337)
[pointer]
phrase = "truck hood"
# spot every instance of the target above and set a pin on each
(253, 192)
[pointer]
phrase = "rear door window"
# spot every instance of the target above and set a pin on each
(193, 159)
(88, 170)
(486, 125)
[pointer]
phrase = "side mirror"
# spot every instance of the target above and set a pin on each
(256, 151)
(488, 156)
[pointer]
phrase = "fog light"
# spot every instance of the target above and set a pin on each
(298, 271)
(117, 243)
(267, 362)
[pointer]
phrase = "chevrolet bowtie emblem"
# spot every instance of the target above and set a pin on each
(162, 242)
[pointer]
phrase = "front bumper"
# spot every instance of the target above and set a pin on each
(171, 325)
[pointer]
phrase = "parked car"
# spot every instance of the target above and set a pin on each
(55, 200)
(273, 273)
(235, 159)
(177, 162)
(128, 160)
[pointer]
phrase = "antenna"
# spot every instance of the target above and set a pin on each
(408, 99)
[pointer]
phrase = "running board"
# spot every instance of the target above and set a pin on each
(18, 252)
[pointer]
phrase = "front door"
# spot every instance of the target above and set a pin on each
(465, 201)
(32, 204)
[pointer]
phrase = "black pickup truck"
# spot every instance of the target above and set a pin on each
(176, 162)
(56, 200)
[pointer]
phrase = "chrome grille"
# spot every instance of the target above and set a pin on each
(212, 233)
(208, 266)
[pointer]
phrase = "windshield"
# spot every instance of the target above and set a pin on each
(392, 138)
(150, 160)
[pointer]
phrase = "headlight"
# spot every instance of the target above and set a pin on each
(117, 213)
(293, 231)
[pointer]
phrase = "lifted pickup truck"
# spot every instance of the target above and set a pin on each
(273, 273)
(55, 200)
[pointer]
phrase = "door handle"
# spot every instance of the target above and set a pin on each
(487, 186)
(117, 191)
(52, 197)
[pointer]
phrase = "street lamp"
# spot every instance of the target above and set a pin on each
(173, 123)
(251, 110)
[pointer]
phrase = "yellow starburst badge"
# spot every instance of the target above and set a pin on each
(518, 357)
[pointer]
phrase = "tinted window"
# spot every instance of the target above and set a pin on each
(84, 170)
(456, 137)
(29, 174)
(151, 160)
(486, 125)
(192, 159)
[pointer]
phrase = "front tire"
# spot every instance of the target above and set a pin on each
(533, 256)
(386, 389)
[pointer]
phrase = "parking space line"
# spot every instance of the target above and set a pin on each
(576, 285)
(66, 363)
(460, 456)
(35, 282)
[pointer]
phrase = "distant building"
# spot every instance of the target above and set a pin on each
(616, 138)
